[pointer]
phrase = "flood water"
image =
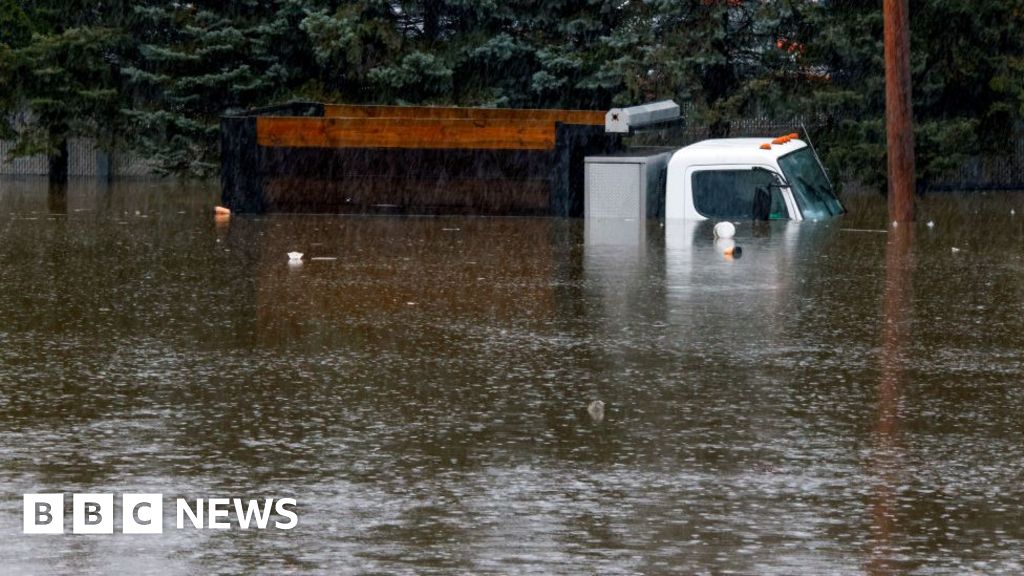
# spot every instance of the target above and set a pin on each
(838, 400)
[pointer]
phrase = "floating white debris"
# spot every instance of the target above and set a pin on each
(895, 224)
(451, 229)
(931, 224)
(295, 256)
(1012, 212)
(324, 258)
(725, 230)
(596, 411)
(955, 249)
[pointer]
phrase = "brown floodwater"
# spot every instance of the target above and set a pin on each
(840, 399)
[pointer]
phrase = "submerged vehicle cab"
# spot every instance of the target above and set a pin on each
(749, 179)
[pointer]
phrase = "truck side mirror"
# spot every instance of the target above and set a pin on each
(779, 181)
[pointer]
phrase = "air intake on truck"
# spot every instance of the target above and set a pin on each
(625, 120)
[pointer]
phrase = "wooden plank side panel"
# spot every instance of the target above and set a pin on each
(391, 195)
(587, 117)
(422, 163)
(405, 133)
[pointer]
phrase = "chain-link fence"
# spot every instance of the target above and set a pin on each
(84, 159)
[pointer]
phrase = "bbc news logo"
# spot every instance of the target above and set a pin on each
(143, 513)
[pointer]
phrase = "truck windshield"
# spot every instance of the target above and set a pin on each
(810, 187)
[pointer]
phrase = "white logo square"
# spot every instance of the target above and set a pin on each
(142, 513)
(43, 513)
(92, 514)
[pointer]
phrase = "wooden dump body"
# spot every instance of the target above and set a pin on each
(409, 159)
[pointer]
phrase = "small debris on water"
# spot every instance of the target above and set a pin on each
(295, 256)
(220, 210)
(324, 258)
(728, 248)
(955, 250)
(451, 229)
(596, 411)
(410, 303)
(931, 224)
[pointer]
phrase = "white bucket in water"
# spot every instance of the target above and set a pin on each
(725, 230)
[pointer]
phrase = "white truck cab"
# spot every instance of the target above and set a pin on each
(748, 179)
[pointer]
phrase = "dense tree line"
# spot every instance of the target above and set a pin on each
(155, 76)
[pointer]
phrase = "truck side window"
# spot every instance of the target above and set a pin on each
(730, 194)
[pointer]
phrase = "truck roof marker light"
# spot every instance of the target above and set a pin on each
(766, 146)
(794, 136)
(781, 140)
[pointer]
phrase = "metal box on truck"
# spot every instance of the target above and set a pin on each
(627, 185)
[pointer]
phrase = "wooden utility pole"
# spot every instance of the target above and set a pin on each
(899, 114)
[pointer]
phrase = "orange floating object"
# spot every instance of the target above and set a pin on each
(221, 211)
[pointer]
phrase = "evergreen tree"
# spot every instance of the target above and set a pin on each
(15, 33)
(171, 69)
(470, 52)
(15, 26)
(63, 78)
(967, 82)
(196, 62)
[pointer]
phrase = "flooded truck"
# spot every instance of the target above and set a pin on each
(719, 179)
(323, 158)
